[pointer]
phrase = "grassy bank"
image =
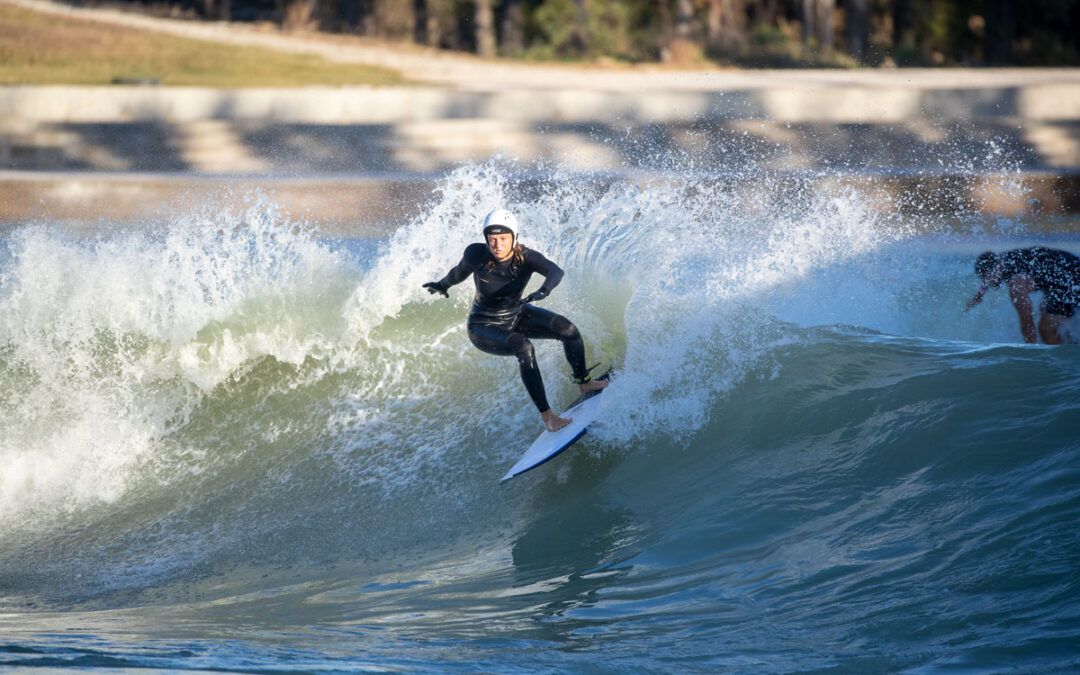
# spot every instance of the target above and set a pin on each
(39, 48)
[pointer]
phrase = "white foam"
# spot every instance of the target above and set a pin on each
(690, 280)
(112, 340)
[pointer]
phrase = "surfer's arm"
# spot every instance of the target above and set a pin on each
(551, 272)
(975, 299)
(1020, 288)
(459, 273)
(455, 276)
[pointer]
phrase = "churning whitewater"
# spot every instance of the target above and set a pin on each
(229, 442)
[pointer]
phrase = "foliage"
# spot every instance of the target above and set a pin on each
(570, 30)
(756, 32)
(44, 49)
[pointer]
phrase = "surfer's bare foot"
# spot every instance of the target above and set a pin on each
(553, 422)
(593, 385)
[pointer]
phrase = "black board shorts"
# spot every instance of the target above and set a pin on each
(1059, 306)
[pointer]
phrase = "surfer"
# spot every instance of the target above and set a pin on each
(502, 322)
(1027, 270)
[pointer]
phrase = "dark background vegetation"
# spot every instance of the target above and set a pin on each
(748, 33)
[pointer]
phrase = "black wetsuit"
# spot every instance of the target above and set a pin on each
(1055, 273)
(500, 322)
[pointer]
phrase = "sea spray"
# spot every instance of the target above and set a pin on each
(110, 341)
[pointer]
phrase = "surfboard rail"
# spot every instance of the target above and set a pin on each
(551, 443)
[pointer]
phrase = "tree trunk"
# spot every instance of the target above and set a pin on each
(823, 24)
(434, 30)
(217, 10)
(726, 26)
(350, 13)
(356, 14)
(764, 12)
(485, 29)
(420, 22)
(582, 35)
(809, 20)
(714, 21)
(369, 23)
(682, 49)
(903, 36)
(858, 28)
(513, 27)
(666, 28)
(684, 19)
(299, 14)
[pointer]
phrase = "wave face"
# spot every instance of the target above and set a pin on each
(228, 442)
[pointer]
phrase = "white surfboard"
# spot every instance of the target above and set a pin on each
(551, 443)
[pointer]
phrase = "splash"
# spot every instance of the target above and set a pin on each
(670, 272)
(218, 341)
(108, 343)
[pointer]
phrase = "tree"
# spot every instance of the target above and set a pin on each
(903, 37)
(684, 18)
(563, 28)
(485, 29)
(824, 23)
(857, 28)
(725, 26)
(358, 13)
(817, 23)
(421, 35)
(436, 23)
(219, 10)
(513, 26)
(583, 34)
(681, 48)
(298, 14)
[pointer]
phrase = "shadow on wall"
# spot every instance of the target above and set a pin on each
(220, 146)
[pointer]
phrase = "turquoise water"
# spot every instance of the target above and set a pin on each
(231, 444)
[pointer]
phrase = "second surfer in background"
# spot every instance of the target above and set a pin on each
(502, 322)
(1027, 270)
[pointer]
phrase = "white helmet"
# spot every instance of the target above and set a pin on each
(501, 221)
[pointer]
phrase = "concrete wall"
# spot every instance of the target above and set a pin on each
(426, 129)
(852, 104)
(116, 141)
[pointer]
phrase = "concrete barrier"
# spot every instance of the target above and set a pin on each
(309, 131)
(1038, 102)
(342, 152)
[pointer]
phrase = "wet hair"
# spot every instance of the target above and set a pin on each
(517, 259)
(985, 263)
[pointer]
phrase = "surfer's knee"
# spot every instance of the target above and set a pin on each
(523, 349)
(565, 328)
(1050, 328)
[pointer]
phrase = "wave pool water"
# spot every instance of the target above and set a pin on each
(229, 443)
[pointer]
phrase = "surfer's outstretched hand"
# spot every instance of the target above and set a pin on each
(553, 422)
(434, 287)
(975, 299)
